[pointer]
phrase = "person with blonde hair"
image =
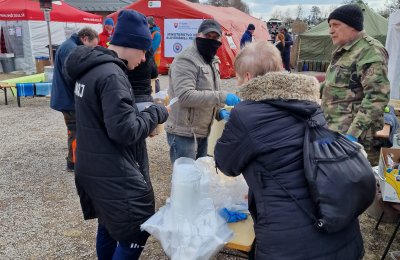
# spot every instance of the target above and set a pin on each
(263, 140)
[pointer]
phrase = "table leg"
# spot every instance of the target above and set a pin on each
(5, 96)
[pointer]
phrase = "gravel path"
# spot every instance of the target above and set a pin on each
(40, 216)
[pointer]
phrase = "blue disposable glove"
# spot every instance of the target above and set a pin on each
(232, 216)
(224, 115)
(352, 138)
(232, 99)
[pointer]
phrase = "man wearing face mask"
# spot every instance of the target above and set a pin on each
(194, 79)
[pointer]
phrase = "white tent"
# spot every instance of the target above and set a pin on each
(25, 30)
(393, 47)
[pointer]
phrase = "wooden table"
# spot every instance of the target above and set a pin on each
(4, 87)
(243, 238)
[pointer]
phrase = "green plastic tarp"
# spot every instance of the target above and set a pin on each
(316, 44)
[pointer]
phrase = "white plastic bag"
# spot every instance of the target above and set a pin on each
(188, 226)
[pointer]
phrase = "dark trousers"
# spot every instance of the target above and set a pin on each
(286, 60)
(70, 121)
(109, 249)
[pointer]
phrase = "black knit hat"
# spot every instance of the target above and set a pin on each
(132, 31)
(350, 15)
(251, 27)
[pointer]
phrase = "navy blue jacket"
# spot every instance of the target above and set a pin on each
(247, 37)
(262, 140)
(288, 43)
(111, 170)
(62, 89)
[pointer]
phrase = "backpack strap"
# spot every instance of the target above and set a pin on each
(318, 223)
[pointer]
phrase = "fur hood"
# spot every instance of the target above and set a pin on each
(281, 85)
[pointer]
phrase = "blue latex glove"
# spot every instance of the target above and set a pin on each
(224, 115)
(232, 99)
(352, 138)
(232, 216)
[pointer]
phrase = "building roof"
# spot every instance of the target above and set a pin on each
(99, 5)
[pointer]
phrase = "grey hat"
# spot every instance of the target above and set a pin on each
(210, 26)
(150, 20)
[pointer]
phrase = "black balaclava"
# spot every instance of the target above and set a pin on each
(207, 48)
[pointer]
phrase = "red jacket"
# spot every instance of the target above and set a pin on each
(104, 38)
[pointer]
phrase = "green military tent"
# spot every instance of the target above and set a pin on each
(315, 45)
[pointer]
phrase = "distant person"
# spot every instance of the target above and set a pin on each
(156, 39)
(106, 34)
(111, 174)
(280, 43)
(356, 88)
(155, 48)
(263, 140)
(194, 80)
(247, 36)
(62, 90)
(287, 47)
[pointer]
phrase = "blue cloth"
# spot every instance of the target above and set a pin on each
(352, 138)
(232, 99)
(132, 31)
(391, 119)
(43, 89)
(25, 89)
(247, 37)
(62, 91)
(109, 21)
(107, 248)
(232, 216)
(155, 43)
(182, 146)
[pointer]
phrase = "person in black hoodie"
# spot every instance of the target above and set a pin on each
(264, 141)
(111, 171)
(140, 79)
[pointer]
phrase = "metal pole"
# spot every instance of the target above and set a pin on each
(47, 18)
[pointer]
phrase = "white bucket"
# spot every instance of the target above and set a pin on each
(48, 73)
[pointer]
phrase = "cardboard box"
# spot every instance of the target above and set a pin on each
(389, 178)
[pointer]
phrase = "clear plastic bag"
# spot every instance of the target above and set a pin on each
(188, 226)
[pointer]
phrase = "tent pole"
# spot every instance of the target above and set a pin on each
(47, 18)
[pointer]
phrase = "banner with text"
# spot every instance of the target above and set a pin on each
(178, 34)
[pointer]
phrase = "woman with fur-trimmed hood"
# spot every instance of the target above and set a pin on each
(264, 141)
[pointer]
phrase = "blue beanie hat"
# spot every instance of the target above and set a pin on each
(132, 31)
(109, 21)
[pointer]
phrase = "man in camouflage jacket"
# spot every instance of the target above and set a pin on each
(356, 88)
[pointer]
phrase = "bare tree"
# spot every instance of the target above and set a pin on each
(299, 12)
(315, 15)
(277, 14)
(238, 4)
(392, 5)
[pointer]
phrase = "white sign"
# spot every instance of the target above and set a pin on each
(232, 44)
(154, 4)
(178, 34)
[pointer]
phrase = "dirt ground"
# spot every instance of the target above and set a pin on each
(40, 216)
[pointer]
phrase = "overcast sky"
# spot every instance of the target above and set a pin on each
(264, 8)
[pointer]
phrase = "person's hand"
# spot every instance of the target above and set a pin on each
(352, 138)
(232, 99)
(161, 112)
(224, 115)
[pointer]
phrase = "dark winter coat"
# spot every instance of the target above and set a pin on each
(246, 38)
(62, 89)
(288, 43)
(261, 140)
(111, 170)
(140, 79)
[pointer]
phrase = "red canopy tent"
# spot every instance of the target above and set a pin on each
(17, 10)
(233, 22)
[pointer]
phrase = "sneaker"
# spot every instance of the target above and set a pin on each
(70, 167)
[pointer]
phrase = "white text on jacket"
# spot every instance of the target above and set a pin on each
(79, 88)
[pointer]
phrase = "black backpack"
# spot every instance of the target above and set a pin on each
(340, 178)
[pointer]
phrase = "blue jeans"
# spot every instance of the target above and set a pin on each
(182, 146)
(109, 249)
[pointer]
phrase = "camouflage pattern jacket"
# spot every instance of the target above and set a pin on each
(356, 88)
